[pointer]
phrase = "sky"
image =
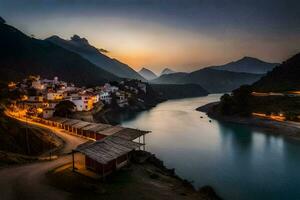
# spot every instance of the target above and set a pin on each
(183, 35)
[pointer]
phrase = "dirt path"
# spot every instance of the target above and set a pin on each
(27, 181)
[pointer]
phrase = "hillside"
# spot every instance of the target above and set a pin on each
(147, 74)
(173, 91)
(94, 55)
(214, 81)
(247, 65)
(285, 77)
(21, 55)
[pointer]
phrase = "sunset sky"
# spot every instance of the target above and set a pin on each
(180, 34)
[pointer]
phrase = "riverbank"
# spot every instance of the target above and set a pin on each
(284, 128)
(145, 178)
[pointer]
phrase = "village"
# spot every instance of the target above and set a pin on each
(37, 101)
(39, 97)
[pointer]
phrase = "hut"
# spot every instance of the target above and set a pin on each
(58, 121)
(91, 130)
(107, 155)
(108, 132)
(67, 125)
(77, 127)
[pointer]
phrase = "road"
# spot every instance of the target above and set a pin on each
(28, 181)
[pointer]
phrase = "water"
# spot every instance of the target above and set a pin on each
(238, 161)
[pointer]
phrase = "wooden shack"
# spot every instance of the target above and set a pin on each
(107, 155)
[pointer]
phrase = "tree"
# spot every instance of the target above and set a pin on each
(64, 108)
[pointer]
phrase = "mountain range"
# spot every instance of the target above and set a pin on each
(21, 55)
(285, 77)
(74, 61)
(147, 74)
(82, 47)
(212, 80)
(247, 65)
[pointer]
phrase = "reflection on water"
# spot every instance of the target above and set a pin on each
(238, 161)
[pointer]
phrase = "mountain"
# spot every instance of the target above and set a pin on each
(285, 77)
(167, 71)
(147, 74)
(178, 91)
(212, 80)
(21, 56)
(82, 47)
(248, 65)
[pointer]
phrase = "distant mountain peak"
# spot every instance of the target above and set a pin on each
(249, 59)
(147, 74)
(247, 64)
(95, 55)
(167, 71)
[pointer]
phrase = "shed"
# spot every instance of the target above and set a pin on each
(105, 156)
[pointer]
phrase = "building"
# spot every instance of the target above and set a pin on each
(122, 101)
(107, 155)
(105, 97)
(110, 88)
(48, 113)
(54, 96)
(37, 85)
(82, 102)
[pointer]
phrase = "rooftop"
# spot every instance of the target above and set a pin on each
(108, 149)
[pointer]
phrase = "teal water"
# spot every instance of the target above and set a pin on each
(238, 161)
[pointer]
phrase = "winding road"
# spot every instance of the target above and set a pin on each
(28, 181)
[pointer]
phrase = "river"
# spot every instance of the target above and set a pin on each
(237, 160)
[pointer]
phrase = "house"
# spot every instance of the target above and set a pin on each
(122, 101)
(105, 97)
(110, 88)
(107, 155)
(82, 102)
(37, 85)
(48, 113)
(35, 98)
(53, 96)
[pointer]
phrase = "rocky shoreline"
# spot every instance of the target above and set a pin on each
(284, 128)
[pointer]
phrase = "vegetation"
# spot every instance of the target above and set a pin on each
(64, 108)
(242, 103)
(285, 77)
(239, 102)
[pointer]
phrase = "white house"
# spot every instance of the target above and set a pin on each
(82, 102)
(52, 96)
(105, 97)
